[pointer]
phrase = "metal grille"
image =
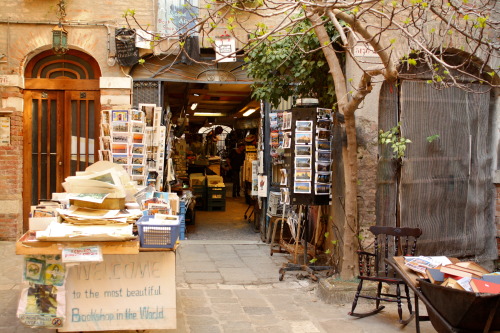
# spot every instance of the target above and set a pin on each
(147, 92)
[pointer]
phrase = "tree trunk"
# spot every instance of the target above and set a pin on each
(350, 245)
(348, 268)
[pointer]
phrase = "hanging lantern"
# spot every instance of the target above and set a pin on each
(59, 39)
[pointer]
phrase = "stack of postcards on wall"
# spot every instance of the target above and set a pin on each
(323, 176)
(134, 139)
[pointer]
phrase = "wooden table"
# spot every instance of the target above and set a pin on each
(478, 312)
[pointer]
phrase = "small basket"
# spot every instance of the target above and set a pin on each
(157, 235)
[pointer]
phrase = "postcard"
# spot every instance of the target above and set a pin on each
(119, 115)
(303, 125)
(137, 137)
(120, 137)
(120, 158)
(137, 170)
(137, 115)
(105, 116)
(303, 138)
(324, 177)
(148, 110)
(323, 167)
(287, 120)
(119, 148)
(322, 189)
(287, 139)
(104, 155)
(285, 196)
(323, 156)
(283, 177)
(303, 150)
(323, 134)
(138, 159)
(138, 148)
(139, 179)
(302, 187)
(323, 145)
(303, 162)
(303, 175)
(323, 124)
(105, 142)
(323, 113)
(120, 126)
(105, 131)
(137, 127)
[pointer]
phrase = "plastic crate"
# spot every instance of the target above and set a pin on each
(157, 235)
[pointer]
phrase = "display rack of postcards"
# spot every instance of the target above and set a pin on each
(128, 139)
(307, 135)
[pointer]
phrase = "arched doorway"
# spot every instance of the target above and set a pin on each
(61, 121)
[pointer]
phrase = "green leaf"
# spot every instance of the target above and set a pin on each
(432, 138)
(327, 234)
(141, 61)
(412, 62)
(313, 260)
(328, 251)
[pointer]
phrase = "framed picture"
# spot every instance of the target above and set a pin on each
(303, 150)
(323, 156)
(323, 167)
(303, 125)
(303, 138)
(323, 113)
(302, 187)
(119, 148)
(149, 110)
(322, 189)
(34, 270)
(303, 162)
(138, 159)
(137, 115)
(119, 115)
(119, 126)
(120, 158)
(105, 116)
(323, 177)
(323, 135)
(323, 145)
(137, 148)
(303, 175)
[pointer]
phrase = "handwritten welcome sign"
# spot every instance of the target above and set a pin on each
(123, 292)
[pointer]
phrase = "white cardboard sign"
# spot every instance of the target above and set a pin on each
(124, 292)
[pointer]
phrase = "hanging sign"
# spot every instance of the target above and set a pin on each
(127, 54)
(225, 47)
(124, 292)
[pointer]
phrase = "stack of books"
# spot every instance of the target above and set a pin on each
(466, 275)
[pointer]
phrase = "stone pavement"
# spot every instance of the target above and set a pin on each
(231, 287)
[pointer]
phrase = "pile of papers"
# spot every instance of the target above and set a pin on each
(90, 233)
(87, 216)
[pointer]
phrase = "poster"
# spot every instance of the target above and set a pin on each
(124, 292)
(262, 182)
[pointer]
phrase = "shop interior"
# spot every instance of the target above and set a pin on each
(210, 120)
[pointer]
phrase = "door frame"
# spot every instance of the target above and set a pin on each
(65, 86)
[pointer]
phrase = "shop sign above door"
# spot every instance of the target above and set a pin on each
(225, 47)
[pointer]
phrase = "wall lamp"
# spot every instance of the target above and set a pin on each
(209, 114)
(248, 112)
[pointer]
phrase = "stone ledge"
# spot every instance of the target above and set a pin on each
(334, 291)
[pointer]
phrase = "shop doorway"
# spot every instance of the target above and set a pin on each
(61, 122)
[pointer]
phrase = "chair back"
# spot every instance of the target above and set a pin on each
(392, 241)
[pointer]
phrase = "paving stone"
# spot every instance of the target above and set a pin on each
(257, 310)
(242, 275)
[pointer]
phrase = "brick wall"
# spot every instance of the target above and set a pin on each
(11, 165)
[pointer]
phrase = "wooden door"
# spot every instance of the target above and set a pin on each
(61, 136)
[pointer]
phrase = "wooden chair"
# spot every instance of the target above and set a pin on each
(388, 241)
